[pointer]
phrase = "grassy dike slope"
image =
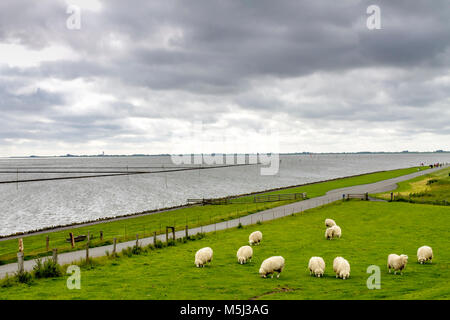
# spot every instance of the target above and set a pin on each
(370, 231)
(127, 229)
(431, 188)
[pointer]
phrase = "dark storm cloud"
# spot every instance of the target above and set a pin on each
(229, 52)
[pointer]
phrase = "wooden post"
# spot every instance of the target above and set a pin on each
(167, 234)
(154, 237)
(392, 196)
(187, 231)
(55, 255)
(72, 240)
(89, 236)
(137, 240)
(114, 245)
(20, 245)
(20, 262)
(87, 251)
(173, 233)
(101, 235)
(47, 242)
(367, 196)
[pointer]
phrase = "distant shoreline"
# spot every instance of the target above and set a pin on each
(168, 155)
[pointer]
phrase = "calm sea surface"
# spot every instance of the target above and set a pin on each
(35, 205)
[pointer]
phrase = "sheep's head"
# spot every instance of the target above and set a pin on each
(404, 258)
(262, 272)
(318, 272)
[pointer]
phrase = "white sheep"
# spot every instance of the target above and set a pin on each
(271, 265)
(255, 238)
(424, 254)
(341, 267)
(333, 232)
(316, 266)
(397, 262)
(329, 223)
(203, 256)
(244, 254)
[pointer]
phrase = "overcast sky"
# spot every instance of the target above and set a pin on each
(141, 76)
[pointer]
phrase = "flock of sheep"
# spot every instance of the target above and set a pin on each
(316, 265)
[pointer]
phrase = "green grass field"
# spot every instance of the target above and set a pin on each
(370, 231)
(433, 188)
(126, 229)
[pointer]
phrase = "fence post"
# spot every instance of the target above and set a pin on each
(114, 245)
(173, 233)
(187, 231)
(137, 240)
(87, 251)
(167, 235)
(20, 245)
(47, 242)
(20, 261)
(154, 237)
(89, 236)
(72, 240)
(55, 255)
(101, 235)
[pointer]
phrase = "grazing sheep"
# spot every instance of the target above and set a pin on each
(329, 223)
(341, 267)
(336, 231)
(271, 265)
(203, 256)
(244, 254)
(255, 238)
(316, 266)
(333, 232)
(397, 262)
(424, 254)
(329, 233)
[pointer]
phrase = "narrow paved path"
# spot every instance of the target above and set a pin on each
(270, 214)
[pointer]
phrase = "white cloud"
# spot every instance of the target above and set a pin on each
(16, 55)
